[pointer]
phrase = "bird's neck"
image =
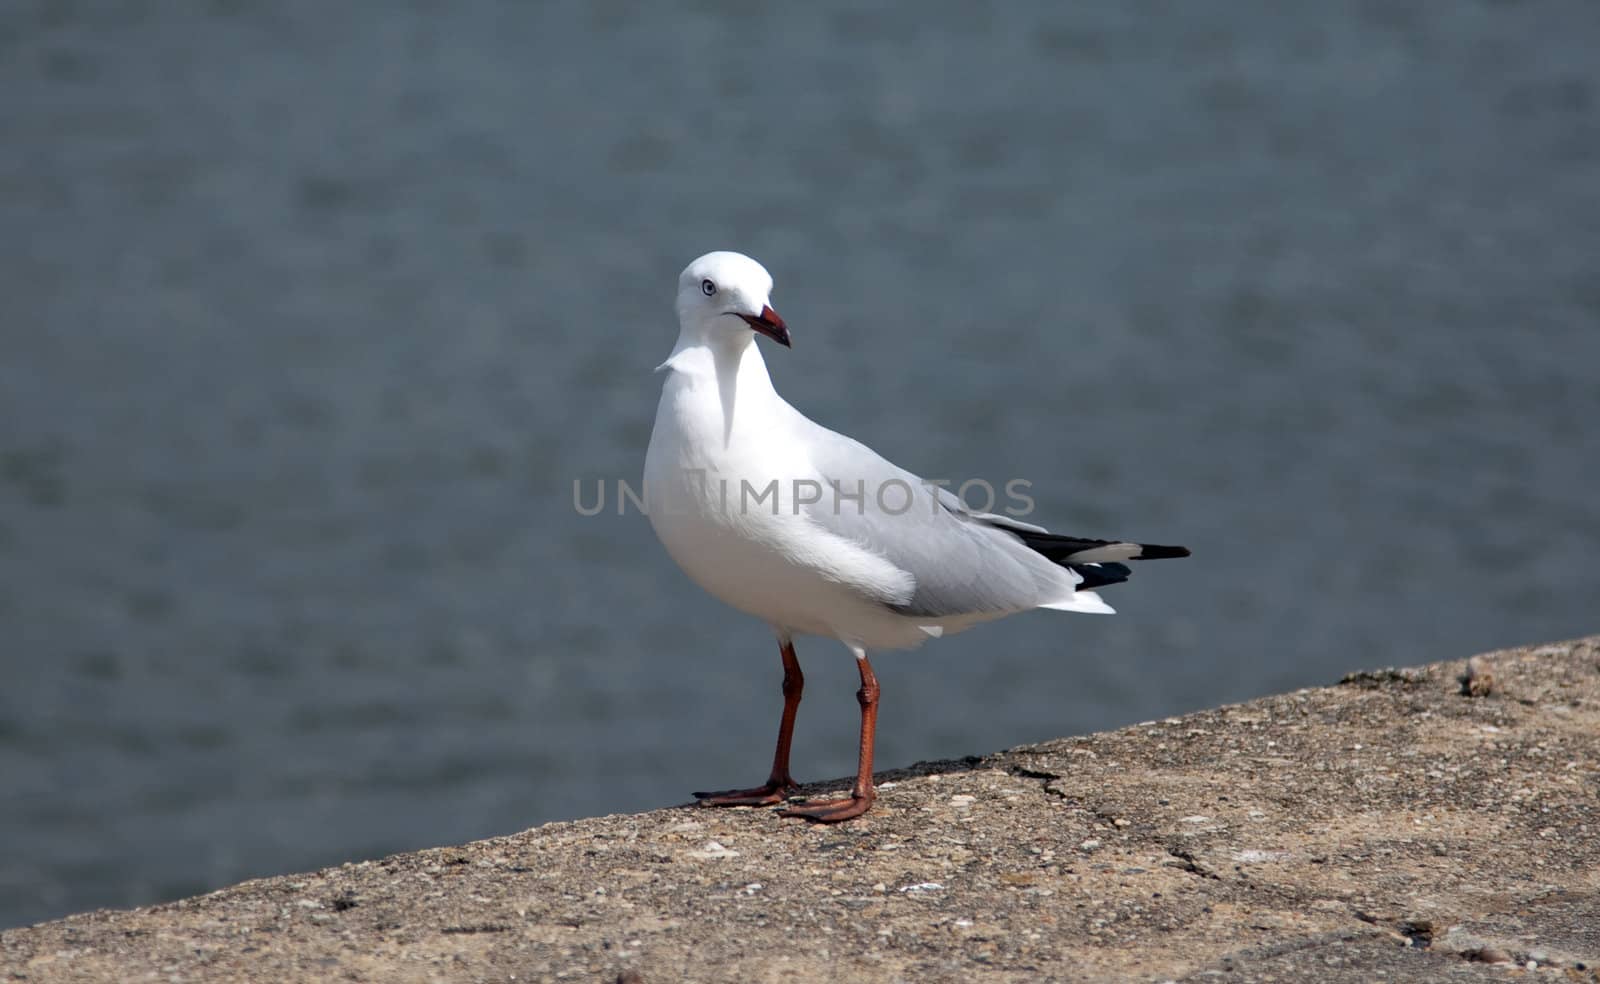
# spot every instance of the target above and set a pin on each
(734, 367)
(735, 362)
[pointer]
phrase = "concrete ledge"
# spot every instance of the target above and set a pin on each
(1402, 825)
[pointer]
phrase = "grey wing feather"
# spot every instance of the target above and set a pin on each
(961, 564)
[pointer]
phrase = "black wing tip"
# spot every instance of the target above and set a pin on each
(1062, 549)
(1100, 574)
(1155, 551)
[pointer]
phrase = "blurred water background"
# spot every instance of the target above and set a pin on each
(313, 313)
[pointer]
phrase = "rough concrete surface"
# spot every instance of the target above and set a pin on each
(1404, 825)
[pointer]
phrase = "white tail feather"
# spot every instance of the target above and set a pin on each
(1086, 602)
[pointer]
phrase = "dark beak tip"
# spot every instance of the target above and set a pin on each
(769, 324)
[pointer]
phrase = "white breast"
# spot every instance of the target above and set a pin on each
(707, 491)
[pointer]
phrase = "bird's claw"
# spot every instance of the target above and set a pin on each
(830, 811)
(770, 792)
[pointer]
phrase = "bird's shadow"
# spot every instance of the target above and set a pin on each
(937, 767)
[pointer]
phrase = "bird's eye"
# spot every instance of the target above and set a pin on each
(707, 288)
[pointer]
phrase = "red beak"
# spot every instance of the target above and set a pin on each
(769, 324)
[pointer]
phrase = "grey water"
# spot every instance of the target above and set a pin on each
(311, 315)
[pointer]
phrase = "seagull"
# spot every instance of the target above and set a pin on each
(816, 534)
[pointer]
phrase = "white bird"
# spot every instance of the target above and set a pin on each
(815, 533)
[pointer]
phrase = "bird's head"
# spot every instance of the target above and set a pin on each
(725, 296)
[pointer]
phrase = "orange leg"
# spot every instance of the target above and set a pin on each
(779, 783)
(862, 794)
